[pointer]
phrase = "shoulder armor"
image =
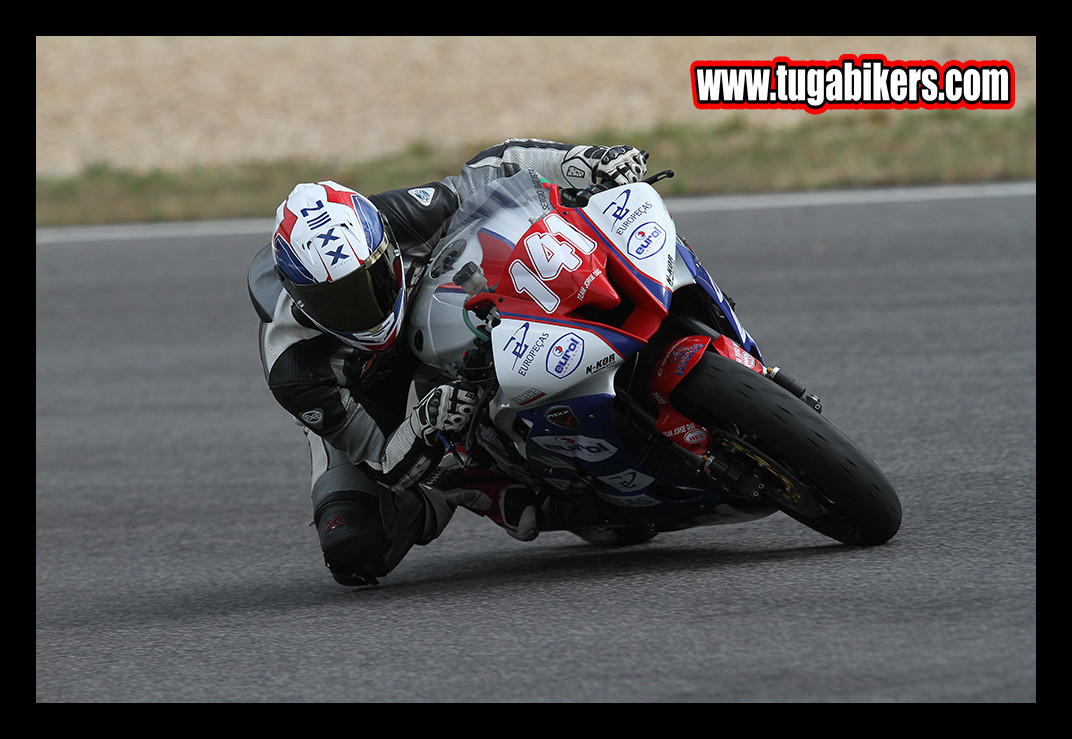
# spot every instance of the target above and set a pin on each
(417, 214)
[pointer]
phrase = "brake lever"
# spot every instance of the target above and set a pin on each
(659, 176)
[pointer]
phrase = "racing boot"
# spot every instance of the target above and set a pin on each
(506, 502)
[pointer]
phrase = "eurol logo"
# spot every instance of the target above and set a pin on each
(565, 355)
(586, 448)
(646, 240)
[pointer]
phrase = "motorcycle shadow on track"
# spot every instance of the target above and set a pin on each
(450, 575)
(581, 563)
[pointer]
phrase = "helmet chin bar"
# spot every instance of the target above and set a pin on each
(377, 339)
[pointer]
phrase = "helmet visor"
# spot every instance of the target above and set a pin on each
(361, 300)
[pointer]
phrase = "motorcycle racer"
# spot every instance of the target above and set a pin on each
(331, 293)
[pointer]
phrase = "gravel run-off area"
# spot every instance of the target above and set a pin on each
(148, 102)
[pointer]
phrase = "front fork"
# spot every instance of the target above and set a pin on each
(742, 472)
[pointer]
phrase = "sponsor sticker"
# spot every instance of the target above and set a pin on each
(586, 448)
(646, 240)
(523, 349)
(562, 415)
(422, 195)
(564, 356)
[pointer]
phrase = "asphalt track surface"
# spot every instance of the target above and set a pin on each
(175, 562)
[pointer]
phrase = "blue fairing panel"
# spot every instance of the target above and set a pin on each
(704, 280)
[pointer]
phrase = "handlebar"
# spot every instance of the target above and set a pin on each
(578, 198)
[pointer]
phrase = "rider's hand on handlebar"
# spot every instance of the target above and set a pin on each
(604, 165)
(621, 165)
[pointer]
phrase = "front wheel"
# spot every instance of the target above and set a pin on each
(798, 459)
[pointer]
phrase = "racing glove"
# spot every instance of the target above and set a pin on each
(613, 165)
(415, 447)
(445, 409)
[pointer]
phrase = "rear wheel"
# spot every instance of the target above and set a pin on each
(791, 455)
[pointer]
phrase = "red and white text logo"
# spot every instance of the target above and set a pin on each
(866, 81)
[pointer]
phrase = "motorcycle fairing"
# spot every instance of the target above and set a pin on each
(652, 256)
(565, 266)
(634, 214)
(555, 359)
(701, 277)
(541, 360)
(590, 449)
(587, 456)
(557, 377)
(485, 231)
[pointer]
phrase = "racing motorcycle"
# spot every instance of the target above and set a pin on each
(612, 371)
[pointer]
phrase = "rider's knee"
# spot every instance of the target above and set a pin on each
(352, 538)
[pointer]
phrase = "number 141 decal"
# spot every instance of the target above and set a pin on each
(550, 254)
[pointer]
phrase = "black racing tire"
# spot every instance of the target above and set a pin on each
(821, 477)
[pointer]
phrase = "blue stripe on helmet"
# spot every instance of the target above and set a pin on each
(289, 263)
(370, 220)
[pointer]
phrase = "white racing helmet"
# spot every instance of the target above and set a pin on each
(339, 262)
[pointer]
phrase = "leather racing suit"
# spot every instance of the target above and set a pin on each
(349, 401)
